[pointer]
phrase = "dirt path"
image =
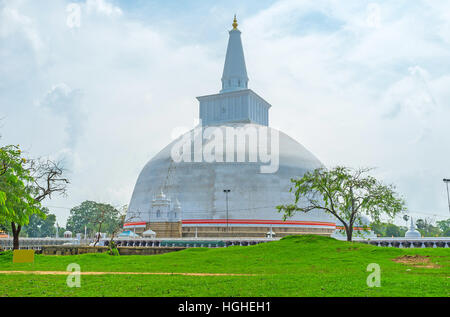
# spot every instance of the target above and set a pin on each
(121, 273)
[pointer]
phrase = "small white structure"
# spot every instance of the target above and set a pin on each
(149, 234)
(270, 234)
(412, 232)
(67, 234)
(163, 210)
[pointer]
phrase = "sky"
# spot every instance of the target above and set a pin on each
(104, 85)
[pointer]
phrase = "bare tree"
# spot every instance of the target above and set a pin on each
(48, 178)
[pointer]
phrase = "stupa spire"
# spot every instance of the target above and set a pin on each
(234, 71)
(235, 24)
(235, 102)
(412, 232)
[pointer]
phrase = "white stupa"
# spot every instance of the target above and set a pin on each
(201, 187)
(412, 232)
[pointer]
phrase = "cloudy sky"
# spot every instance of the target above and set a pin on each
(106, 84)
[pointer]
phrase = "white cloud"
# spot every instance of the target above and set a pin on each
(359, 95)
(66, 103)
(13, 23)
(103, 7)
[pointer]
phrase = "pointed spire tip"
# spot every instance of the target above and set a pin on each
(235, 24)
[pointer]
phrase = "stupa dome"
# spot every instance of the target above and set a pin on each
(199, 186)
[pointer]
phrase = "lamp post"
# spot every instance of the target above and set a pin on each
(446, 181)
(226, 191)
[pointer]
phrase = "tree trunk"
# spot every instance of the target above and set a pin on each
(349, 232)
(16, 232)
(97, 238)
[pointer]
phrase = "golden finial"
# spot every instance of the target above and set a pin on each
(235, 24)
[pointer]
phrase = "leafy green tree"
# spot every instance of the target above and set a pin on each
(5, 226)
(95, 216)
(383, 229)
(40, 227)
(378, 228)
(24, 185)
(17, 203)
(444, 225)
(394, 231)
(426, 228)
(344, 193)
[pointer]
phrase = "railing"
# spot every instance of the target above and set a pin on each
(439, 242)
(36, 243)
(186, 242)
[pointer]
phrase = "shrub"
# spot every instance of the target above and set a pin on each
(6, 252)
(113, 249)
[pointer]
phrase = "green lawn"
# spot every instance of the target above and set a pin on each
(294, 266)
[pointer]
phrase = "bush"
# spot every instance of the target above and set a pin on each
(113, 251)
(6, 252)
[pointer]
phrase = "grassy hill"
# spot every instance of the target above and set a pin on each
(293, 266)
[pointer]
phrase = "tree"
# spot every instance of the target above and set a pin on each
(346, 194)
(48, 178)
(40, 227)
(426, 228)
(122, 219)
(444, 225)
(4, 227)
(406, 218)
(383, 229)
(16, 196)
(95, 216)
(100, 219)
(24, 185)
(119, 227)
(394, 231)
